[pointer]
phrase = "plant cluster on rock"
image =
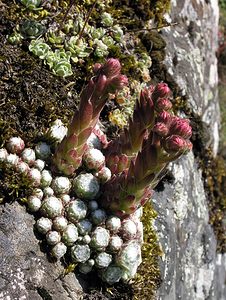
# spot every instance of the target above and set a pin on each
(89, 192)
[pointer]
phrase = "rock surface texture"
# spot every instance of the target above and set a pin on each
(25, 272)
(190, 267)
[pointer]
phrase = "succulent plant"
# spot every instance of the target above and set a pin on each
(60, 223)
(78, 48)
(15, 145)
(35, 176)
(56, 132)
(104, 174)
(28, 156)
(115, 243)
(15, 38)
(124, 148)
(117, 33)
(55, 37)
(94, 159)
(51, 207)
(101, 49)
(39, 48)
(86, 186)
(100, 238)
(80, 253)
(31, 4)
(76, 210)
(43, 225)
(129, 259)
(48, 191)
(12, 160)
(112, 274)
(98, 216)
(39, 164)
(34, 203)
(46, 178)
(154, 138)
(22, 167)
(61, 185)
(70, 235)
(107, 79)
(53, 237)
(59, 250)
(42, 150)
(62, 68)
(106, 19)
(3, 154)
(38, 193)
(101, 229)
(84, 226)
(103, 260)
(32, 29)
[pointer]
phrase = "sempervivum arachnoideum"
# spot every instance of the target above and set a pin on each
(42, 150)
(61, 185)
(46, 178)
(59, 250)
(129, 259)
(53, 237)
(43, 225)
(93, 159)
(51, 207)
(91, 214)
(103, 175)
(12, 160)
(80, 253)
(28, 156)
(56, 132)
(86, 186)
(34, 203)
(15, 145)
(76, 210)
(70, 235)
(3, 154)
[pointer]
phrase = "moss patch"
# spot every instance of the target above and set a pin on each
(148, 277)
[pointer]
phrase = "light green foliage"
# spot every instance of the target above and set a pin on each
(97, 33)
(56, 38)
(62, 68)
(31, 29)
(78, 48)
(39, 48)
(106, 19)
(117, 33)
(101, 49)
(58, 61)
(15, 38)
(31, 4)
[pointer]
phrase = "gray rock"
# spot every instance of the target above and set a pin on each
(190, 267)
(25, 272)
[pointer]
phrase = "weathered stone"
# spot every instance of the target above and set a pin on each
(25, 272)
(190, 267)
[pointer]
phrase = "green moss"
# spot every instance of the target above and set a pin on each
(148, 277)
(154, 9)
(214, 172)
(13, 186)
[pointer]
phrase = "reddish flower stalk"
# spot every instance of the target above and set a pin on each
(107, 79)
(168, 139)
(124, 148)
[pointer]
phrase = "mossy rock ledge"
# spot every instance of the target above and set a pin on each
(193, 265)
